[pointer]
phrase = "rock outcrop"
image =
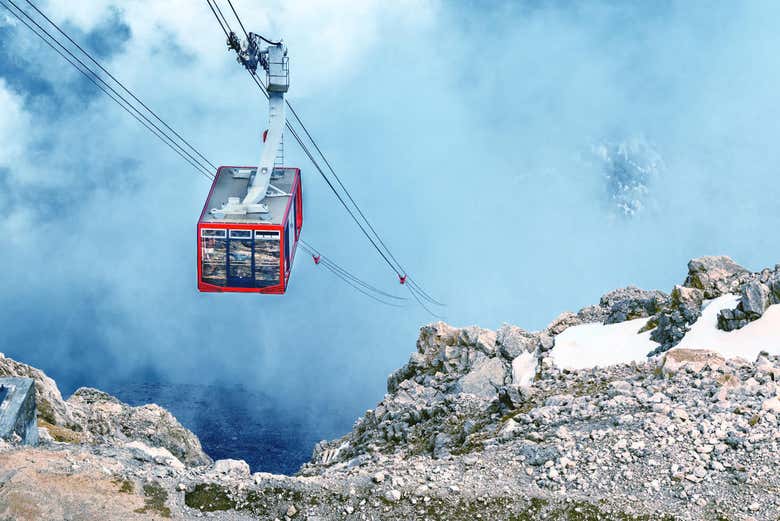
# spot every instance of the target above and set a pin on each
(51, 407)
(106, 420)
(709, 278)
(715, 275)
(94, 417)
(757, 293)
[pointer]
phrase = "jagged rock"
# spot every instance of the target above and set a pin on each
(509, 430)
(417, 364)
(485, 378)
(512, 396)
(595, 313)
(51, 407)
(670, 325)
(512, 341)
(393, 495)
(562, 322)
(106, 419)
(482, 339)
(630, 303)
(616, 306)
(687, 297)
(537, 455)
(755, 297)
(714, 275)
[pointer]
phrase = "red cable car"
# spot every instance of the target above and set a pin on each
(250, 225)
(249, 252)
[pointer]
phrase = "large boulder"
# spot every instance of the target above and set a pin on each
(715, 275)
(105, 419)
(485, 378)
(631, 302)
(754, 300)
(512, 341)
(755, 297)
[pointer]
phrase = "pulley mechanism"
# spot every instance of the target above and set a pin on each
(252, 53)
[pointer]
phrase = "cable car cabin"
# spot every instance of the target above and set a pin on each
(252, 252)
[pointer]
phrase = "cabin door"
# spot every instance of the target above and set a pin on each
(240, 259)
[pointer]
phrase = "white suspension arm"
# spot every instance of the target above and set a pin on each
(276, 122)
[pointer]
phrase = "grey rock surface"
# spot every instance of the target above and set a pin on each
(714, 275)
(105, 419)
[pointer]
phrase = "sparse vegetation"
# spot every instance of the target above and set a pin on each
(209, 497)
(59, 433)
(125, 485)
(155, 497)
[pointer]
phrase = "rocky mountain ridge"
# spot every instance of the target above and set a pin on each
(478, 424)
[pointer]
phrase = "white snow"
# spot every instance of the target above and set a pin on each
(760, 335)
(591, 345)
(524, 368)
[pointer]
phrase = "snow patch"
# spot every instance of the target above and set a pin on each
(591, 345)
(524, 368)
(760, 335)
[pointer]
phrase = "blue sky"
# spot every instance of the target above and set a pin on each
(469, 131)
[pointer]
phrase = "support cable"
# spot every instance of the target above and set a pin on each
(87, 76)
(100, 79)
(357, 207)
(227, 35)
(240, 22)
(322, 258)
(349, 280)
(153, 113)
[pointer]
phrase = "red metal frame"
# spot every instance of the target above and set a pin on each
(279, 289)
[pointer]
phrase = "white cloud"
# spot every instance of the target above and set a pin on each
(14, 126)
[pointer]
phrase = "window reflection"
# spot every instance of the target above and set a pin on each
(213, 254)
(266, 259)
(241, 258)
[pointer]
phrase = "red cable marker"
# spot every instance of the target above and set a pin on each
(316, 259)
(402, 278)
